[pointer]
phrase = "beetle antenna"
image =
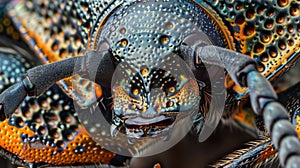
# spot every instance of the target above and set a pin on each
(40, 78)
(242, 70)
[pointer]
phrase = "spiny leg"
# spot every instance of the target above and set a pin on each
(263, 98)
(262, 153)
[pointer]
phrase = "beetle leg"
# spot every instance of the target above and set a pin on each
(262, 153)
(284, 136)
(40, 78)
(235, 63)
(263, 98)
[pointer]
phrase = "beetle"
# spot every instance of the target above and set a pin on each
(146, 66)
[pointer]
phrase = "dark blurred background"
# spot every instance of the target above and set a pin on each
(5, 163)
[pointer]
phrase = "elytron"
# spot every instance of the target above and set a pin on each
(149, 68)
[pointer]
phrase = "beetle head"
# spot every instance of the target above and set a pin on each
(149, 98)
(152, 87)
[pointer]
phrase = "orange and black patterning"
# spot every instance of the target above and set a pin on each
(45, 130)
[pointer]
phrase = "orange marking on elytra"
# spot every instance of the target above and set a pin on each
(10, 139)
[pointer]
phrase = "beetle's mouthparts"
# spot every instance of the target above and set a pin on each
(148, 122)
(156, 127)
(140, 127)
